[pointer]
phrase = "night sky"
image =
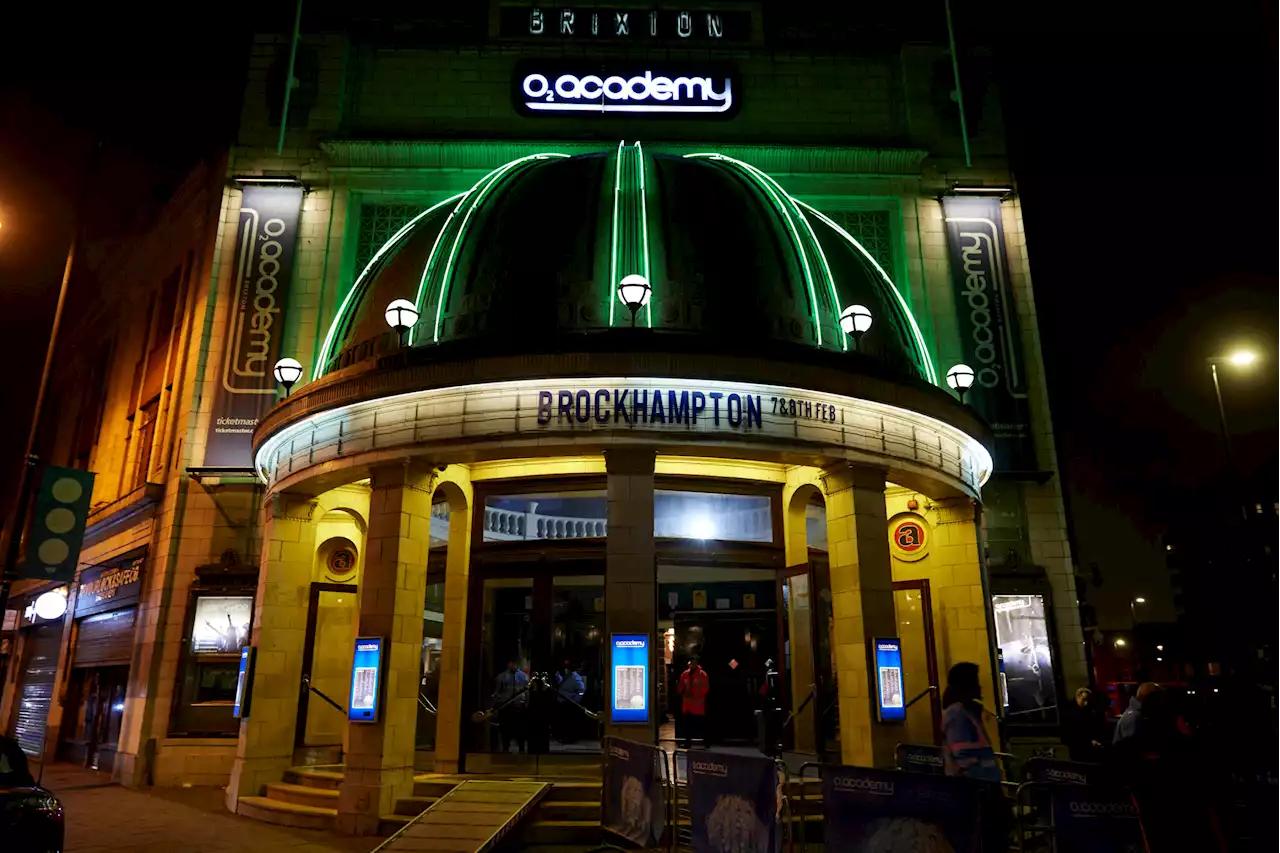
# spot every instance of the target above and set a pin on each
(1145, 147)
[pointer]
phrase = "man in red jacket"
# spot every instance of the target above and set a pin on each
(693, 688)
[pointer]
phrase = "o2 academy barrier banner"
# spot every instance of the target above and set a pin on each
(988, 321)
(1093, 820)
(878, 811)
(734, 802)
(633, 794)
(265, 244)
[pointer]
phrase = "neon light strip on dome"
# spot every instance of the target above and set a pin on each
(347, 303)
(613, 248)
(644, 237)
(930, 372)
(795, 233)
(495, 176)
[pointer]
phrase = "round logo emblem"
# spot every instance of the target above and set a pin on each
(909, 538)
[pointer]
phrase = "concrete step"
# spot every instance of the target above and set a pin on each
(560, 832)
(314, 777)
(568, 810)
(413, 806)
(303, 795)
(281, 813)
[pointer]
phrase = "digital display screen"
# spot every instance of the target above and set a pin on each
(244, 684)
(892, 702)
(629, 688)
(366, 680)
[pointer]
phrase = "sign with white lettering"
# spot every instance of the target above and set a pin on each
(265, 243)
(989, 326)
(568, 23)
(702, 90)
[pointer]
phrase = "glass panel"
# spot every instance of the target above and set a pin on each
(549, 515)
(577, 648)
(919, 726)
(331, 651)
(505, 659)
(711, 515)
(1022, 631)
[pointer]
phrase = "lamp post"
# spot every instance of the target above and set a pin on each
(401, 315)
(1241, 359)
(634, 291)
(287, 371)
(855, 320)
(960, 379)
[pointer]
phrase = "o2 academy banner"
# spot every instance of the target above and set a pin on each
(989, 326)
(265, 244)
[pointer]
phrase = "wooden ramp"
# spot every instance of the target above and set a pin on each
(472, 818)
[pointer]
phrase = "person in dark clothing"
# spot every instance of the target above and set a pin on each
(1085, 728)
(1171, 781)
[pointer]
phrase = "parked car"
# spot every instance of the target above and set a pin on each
(30, 816)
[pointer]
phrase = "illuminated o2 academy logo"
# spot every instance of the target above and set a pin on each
(642, 92)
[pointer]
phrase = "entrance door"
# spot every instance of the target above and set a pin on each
(539, 641)
(919, 662)
(326, 666)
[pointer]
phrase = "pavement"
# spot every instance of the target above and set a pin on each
(105, 818)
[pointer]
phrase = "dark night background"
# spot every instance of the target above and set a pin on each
(1144, 140)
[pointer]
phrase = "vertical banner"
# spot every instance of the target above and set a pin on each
(1092, 820)
(735, 801)
(988, 323)
(866, 811)
(633, 795)
(265, 245)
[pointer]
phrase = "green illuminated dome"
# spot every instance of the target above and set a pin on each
(530, 258)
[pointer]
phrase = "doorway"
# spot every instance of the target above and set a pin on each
(327, 650)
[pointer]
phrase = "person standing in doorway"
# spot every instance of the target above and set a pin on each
(693, 688)
(510, 698)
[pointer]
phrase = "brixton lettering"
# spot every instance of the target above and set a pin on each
(638, 406)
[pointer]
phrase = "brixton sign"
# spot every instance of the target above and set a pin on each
(703, 91)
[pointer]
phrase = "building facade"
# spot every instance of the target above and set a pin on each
(532, 470)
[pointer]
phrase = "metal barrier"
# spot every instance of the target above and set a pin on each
(682, 834)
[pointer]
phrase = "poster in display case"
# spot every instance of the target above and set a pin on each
(1022, 633)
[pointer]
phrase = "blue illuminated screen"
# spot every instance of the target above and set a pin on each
(366, 679)
(892, 699)
(629, 682)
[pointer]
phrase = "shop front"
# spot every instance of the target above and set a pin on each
(552, 479)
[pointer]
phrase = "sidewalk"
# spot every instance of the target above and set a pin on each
(106, 818)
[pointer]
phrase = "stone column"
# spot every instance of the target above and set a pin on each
(379, 758)
(630, 590)
(265, 748)
(862, 593)
(456, 484)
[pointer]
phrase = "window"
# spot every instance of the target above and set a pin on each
(549, 515)
(712, 515)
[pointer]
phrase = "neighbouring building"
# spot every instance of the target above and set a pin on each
(634, 413)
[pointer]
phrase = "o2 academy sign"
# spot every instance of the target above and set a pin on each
(702, 90)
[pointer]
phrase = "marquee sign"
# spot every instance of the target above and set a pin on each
(702, 90)
(592, 412)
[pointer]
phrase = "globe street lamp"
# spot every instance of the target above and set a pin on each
(634, 291)
(287, 371)
(1241, 359)
(855, 320)
(401, 314)
(960, 379)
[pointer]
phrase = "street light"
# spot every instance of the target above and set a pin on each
(634, 291)
(1242, 359)
(287, 371)
(855, 320)
(960, 378)
(401, 314)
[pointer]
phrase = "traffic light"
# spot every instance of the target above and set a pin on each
(57, 524)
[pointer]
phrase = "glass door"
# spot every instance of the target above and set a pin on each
(919, 662)
(326, 666)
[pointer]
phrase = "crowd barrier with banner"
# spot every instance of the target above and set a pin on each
(731, 802)
(636, 781)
